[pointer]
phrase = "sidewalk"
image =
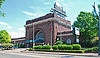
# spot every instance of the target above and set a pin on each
(56, 53)
(61, 53)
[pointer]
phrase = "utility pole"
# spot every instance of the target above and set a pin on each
(97, 13)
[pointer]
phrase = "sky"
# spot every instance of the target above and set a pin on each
(19, 11)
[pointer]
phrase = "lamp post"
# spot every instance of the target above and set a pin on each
(97, 13)
(33, 38)
(51, 35)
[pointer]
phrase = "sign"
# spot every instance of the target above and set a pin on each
(58, 10)
(77, 31)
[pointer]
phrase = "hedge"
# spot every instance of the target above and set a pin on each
(46, 47)
(94, 49)
(55, 47)
(69, 51)
(38, 47)
(30, 49)
(76, 46)
(65, 47)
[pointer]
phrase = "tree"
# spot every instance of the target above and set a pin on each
(87, 24)
(4, 37)
(1, 13)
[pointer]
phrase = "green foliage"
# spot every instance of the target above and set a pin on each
(65, 47)
(4, 37)
(94, 49)
(30, 49)
(68, 51)
(87, 24)
(76, 46)
(38, 47)
(90, 43)
(7, 45)
(55, 47)
(1, 13)
(59, 42)
(46, 47)
(61, 47)
(69, 47)
(1, 1)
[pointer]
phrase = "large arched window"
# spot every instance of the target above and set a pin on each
(40, 36)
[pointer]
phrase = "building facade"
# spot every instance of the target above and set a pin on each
(49, 28)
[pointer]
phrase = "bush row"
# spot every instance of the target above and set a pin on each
(67, 47)
(48, 50)
(42, 47)
(59, 47)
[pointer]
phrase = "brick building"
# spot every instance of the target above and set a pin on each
(49, 28)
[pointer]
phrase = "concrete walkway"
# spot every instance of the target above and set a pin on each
(61, 53)
(56, 53)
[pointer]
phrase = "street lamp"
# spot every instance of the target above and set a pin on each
(97, 13)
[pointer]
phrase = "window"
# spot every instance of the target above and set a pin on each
(68, 41)
(40, 36)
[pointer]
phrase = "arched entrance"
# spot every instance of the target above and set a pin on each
(39, 36)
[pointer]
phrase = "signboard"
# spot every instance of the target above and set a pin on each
(58, 10)
(77, 31)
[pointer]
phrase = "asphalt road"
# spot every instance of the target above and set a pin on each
(35, 55)
(2, 55)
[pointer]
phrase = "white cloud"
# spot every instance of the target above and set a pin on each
(8, 27)
(3, 23)
(5, 26)
(29, 13)
(17, 34)
(21, 29)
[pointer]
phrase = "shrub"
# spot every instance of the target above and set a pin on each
(89, 50)
(46, 47)
(7, 45)
(59, 42)
(30, 49)
(55, 47)
(37, 47)
(76, 46)
(61, 47)
(96, 49)
(65, 47)
(69, 47)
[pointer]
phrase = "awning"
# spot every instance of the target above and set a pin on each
(28, 41)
